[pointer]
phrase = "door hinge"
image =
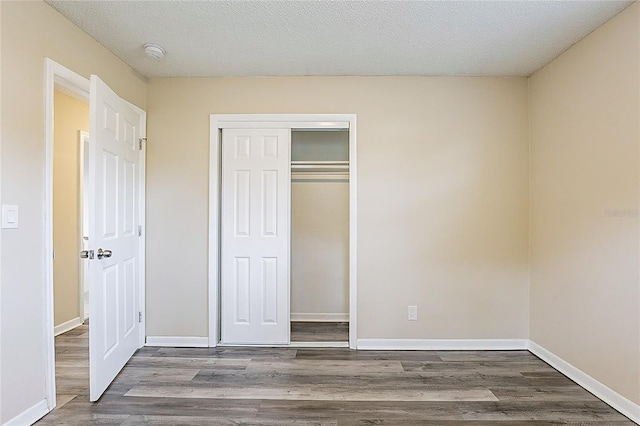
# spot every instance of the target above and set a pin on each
(139, 316)
(54, 255)
(140, 141)
(139, 230)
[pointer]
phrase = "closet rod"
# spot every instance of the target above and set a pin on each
(320, 167)
(320, 163)
(320, 177)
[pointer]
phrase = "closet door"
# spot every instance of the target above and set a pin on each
(256, 185)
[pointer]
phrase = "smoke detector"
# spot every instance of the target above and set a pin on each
(154, 51)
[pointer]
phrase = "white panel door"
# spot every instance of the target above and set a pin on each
(114, 213)
(255, 232)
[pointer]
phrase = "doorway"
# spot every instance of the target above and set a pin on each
(70, 136)
(111, 215)
(319, 284)
(289, 124)
(71, 126)
(62, 80)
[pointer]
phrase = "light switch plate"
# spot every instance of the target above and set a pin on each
(10, 216)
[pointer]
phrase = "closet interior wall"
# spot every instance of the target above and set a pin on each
(319, 225)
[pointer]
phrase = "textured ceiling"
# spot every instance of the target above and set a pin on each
(268, 38)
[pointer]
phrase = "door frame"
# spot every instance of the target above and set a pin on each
(57, 74)
(273, 121)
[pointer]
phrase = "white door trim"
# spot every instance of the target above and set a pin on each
(54, 73)
(58, 74)
(284, 121)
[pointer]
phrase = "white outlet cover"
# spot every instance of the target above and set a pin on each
(413, 313)
(10, 216)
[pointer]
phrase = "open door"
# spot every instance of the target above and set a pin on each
(256, 184)
(115, 160)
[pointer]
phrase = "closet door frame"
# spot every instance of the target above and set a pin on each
(275, 121)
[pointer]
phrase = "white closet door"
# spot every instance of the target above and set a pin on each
(256, 185)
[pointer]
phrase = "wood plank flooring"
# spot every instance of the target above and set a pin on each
(302, 331)
(286, 386)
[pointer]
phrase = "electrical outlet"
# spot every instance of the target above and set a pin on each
(413, 313)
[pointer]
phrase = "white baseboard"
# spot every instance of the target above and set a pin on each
(318, 345)
(606, 394)
(443, 344)
(67, 326)
(178, 341)
(294, 345)
(320, 317)
(30, 415)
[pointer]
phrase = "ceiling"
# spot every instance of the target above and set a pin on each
(286, 38)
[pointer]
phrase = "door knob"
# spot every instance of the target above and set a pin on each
(86, 254)
(103, 253)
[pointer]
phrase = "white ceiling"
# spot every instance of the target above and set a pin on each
(273, 38)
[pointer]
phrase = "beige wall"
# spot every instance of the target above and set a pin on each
(442, 198)
(71, 116)
(32, 31)
(319, 248)
(585, 115)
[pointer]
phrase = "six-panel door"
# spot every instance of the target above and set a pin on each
(114, 212)
(255, 236)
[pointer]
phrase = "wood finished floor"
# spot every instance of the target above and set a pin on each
(302, 331)
(286, 386)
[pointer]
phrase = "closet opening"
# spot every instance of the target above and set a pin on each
(319, 237)
(283, 230)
